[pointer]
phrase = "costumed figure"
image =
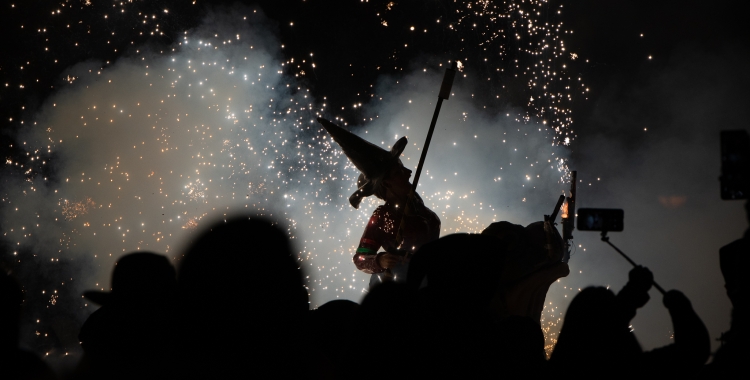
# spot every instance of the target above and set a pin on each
(396, 227)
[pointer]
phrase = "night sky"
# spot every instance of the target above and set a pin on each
(128, 125)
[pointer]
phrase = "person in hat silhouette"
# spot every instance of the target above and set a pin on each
(384, 176)
(133, 333)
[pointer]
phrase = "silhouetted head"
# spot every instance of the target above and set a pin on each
(387, 301)
(141, 277)
(337, 307)
(590, 311)
(394, 186)
(592, 333)
(464, 266)
(242, 265)
(133, 332)
(526, 248)
(331, 329)
(242, 302)
(332, 320)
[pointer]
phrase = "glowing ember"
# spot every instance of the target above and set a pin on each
(72, 210)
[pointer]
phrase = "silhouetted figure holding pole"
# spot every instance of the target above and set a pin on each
(384, 176)
(403, 224)
(595, 339)
(605, 239)
(691, 346)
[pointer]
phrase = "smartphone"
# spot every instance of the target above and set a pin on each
(735, 165)
(600, 219)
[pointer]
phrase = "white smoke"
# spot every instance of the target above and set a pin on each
(155, 146)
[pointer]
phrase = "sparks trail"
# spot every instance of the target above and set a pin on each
(515, 50)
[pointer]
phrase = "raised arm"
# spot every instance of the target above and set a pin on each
(691, 346)
(634, 294)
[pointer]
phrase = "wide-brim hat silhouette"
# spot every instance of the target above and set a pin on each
(373, 161)
(142, 276)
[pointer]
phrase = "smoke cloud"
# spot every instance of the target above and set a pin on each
(157, 145)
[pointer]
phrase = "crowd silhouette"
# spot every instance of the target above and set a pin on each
(237, 307)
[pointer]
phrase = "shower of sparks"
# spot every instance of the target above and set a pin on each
(72, 210)
(159, 143)
(540, 57)
(521, 43)
(191, 223)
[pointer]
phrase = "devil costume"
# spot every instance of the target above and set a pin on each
(384, 229)
(420, 226)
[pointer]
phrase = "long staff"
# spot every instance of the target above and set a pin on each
(445, 93)
(605, 239)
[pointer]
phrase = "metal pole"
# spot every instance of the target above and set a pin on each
(444, 94)
(445, 90)
(426, 145)
(605, 239)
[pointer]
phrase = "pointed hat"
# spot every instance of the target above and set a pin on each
(373, 161)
